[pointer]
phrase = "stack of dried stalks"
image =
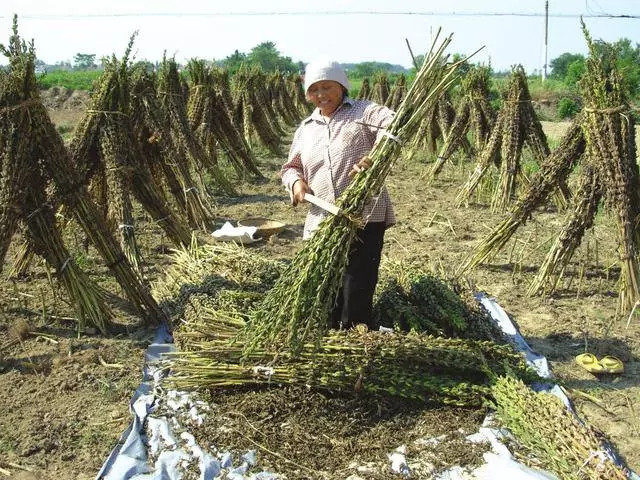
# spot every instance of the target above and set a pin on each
(608, 170)
(380, 90)
(365, 90)
(211, 122)
(253, 112)
(152, 131)
(34, 157)
(281, 99)
(105, 149)
(516, 125)
(296, 309)
(174, 107)
(398, 92)
(474, 113)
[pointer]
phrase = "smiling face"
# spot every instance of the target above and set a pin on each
(327, 95)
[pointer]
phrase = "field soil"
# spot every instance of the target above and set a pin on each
(64, 397)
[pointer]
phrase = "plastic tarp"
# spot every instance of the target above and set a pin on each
(158, 446)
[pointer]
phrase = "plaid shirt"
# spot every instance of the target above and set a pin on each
(323, 153)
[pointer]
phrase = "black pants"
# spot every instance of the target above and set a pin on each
(355, 298)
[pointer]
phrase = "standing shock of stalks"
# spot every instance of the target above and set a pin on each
(380, 89)
(297, 308)
(398, 92)
(211, 122)
(602, 141)
(253, 110)
(173, 103)
(517, 125)
(152, 132)
(105, 144)
(27, 180)
(365, 90)
(552, 434)
(474, 114)
(281, 99)
(299, 95)
(554, 171)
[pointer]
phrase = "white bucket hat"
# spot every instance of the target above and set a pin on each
(324, 69)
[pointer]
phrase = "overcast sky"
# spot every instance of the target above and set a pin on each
(189, 28)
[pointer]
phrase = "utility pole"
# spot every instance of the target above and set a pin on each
(546, 38)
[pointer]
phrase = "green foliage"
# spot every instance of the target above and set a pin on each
(567, 108)
(264, 55)
(560, 65)
(368, 69)
(84, 61)
(74, 80)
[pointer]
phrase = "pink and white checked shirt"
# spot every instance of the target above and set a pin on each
(324, 152)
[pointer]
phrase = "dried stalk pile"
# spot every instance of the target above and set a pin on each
(211, 122)
(605, 133)
(474, 114)
(516, 125)
(296, 309)
(365, 90)
(398, 92)
(380, 90)
(299, 98)
(34, 160)
(253, 113)
(105, 149)
(152, 131)
(281, 99)
(552, 435)
(174, 107)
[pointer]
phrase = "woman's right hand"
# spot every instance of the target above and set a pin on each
(299, 189)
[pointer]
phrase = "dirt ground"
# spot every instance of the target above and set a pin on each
(64, 398)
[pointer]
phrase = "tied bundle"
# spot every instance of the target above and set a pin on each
(296, 309)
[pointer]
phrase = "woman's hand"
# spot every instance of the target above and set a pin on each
(299, 189)
(361, 166)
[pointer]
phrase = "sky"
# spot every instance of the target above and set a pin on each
(213, 30)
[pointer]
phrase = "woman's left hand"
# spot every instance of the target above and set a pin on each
(361, 166)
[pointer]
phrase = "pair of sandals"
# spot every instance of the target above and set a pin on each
(607, 364)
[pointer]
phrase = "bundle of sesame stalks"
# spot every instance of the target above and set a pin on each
(166, 161)
(365, 90)
(281, 99)
(419, 367)
(173, 102)
(552, 435)
(296, 310)
(474, 113)
(555, 169)
(516, 126)
(36, 161)
(601, 140)
(380, 90)
(211, 122)
(104, 147)
(398, 92)
(253, 112)
(413, 300)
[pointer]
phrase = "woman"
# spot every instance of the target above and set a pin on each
(328, 149)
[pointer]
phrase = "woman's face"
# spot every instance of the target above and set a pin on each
(326, 95)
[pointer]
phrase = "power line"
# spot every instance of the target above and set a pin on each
(325, 13)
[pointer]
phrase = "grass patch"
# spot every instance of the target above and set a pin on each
(72, 79)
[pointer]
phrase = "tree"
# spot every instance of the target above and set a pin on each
(84, 61)
(559, 65)
(233, 61)
(574, 72)
(267, 56)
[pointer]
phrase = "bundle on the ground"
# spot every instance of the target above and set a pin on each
(420, 367)
(552, 435)
(398, 92)
(380, 90)
(105, 149)
(35, 161)
(173, 102)
(166, 161)
(410, 299)
(211, 122)
(282, 100)
(474, 113)
(517, 125)
(295, 311)
(602, 142)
